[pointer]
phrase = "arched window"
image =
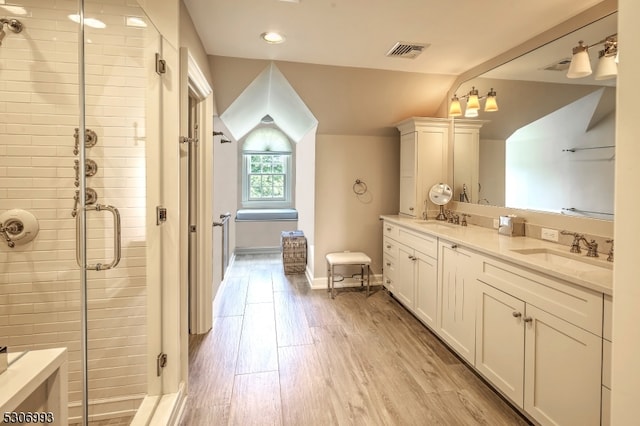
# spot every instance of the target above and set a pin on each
(267, 169)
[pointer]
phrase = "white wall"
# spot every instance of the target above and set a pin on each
(540, 176)
(626, 296)
(491, 174)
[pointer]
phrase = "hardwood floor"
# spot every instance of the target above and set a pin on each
(280, 353)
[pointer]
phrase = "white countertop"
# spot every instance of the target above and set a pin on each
(489, 242)
(26, 372)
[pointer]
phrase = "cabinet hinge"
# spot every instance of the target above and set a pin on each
(161, 362)
(161, 64)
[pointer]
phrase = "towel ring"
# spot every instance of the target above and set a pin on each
(359, 187)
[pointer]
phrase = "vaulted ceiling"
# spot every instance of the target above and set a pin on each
(460, 34)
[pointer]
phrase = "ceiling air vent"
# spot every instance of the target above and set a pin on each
(561, 65)
(406, 50)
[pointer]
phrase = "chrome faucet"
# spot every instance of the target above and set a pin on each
(610, 254)
(575, 245)
(592, 246)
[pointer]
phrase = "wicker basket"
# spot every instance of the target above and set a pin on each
(294, 252)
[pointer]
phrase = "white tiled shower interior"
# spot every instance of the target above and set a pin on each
(40, 282)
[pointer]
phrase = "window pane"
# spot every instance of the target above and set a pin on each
(266, 177)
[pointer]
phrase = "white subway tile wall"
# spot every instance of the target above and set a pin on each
(40, 281)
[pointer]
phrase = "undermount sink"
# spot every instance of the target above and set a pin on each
(566, 260)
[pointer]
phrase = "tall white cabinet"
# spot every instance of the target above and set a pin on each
(423, 159)
(466, 152)
(429, 147)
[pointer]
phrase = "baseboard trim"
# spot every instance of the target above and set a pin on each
(257, 250)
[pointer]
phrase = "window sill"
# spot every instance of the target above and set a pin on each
(266, 215)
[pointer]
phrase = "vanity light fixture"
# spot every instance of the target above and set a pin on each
(581, 64)
(473, 104)
(272, 37)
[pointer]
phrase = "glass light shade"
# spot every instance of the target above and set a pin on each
(580, 64)
(607, 68)
(473, 102)
(491, 105)
(471, 113)
(455, 110)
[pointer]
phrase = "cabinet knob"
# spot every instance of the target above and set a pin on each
(388, 281)
(389, 228)
(454, 246)
(527, 319)
(388, 246)
(410, 209)
(413, 258)
(517, 314)
(388, 263)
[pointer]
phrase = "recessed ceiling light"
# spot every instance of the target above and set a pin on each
(272, 37)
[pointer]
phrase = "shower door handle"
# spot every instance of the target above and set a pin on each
(117, 238)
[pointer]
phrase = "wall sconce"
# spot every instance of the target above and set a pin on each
(473, 103)
(607, 66)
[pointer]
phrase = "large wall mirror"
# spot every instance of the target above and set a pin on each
(550, 146)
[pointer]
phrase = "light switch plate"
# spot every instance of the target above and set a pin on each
(550, 234)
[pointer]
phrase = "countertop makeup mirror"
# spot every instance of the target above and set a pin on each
(440, 194)
(550, 146)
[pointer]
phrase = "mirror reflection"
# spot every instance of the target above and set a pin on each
(550, 144)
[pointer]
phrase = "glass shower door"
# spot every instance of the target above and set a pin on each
(122, 106)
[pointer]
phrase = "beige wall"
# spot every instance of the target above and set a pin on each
(626, 299)
(164, 15)
(345, 220)
(189, 38)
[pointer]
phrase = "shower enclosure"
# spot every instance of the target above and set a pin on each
(80, 102)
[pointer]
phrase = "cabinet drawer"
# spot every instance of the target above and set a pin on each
(425, 244)
(389, 247)
(390, 230)
(389, 266)
(579, 306)
(608, 317)
(606, 363)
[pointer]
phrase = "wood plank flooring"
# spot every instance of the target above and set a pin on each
(280, 353)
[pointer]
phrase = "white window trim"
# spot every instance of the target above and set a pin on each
(288, 200)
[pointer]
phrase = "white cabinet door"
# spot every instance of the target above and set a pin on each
(456, 299)
(426, 276)
(404, 285)
(408, 174)
(563, 368)
(500, 341)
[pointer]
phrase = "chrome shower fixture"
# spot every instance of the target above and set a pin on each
(12, 24)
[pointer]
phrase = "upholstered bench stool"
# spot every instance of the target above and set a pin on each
(347, 258)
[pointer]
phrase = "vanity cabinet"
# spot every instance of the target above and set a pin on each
(607, 343)
(529, 349)
(543, 342)
(412, 271)
(423, 159)
(456, 283)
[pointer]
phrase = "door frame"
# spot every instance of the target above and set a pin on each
(193, 81)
